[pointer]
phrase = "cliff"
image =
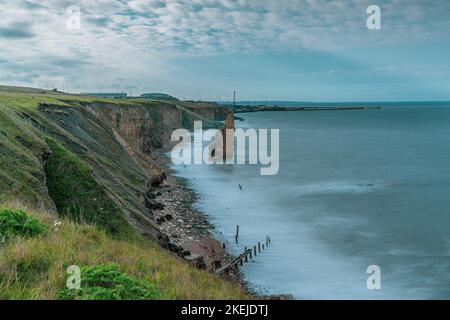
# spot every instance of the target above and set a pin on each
(83, 160)
(121, 141)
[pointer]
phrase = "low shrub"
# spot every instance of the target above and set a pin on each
(16, 223)
(106, 282)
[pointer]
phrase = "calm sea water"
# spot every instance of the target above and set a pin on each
(355, 188)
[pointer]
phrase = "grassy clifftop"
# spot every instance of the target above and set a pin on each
(85, 162)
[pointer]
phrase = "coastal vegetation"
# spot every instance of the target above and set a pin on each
(106, 282)
(16, 223)
(35, 267)
(78, 196)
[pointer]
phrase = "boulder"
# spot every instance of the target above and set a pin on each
(158, 180)
(160, 220)
(152, 204)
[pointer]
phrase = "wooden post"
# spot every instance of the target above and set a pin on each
(246, 256)
(263, 246)
(254, 250)
(237, 233)
(232, 264)
(223, 245)
(250, 252)
(259, 247)
(267, 241)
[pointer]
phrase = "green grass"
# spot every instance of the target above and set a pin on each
(29, 101)
(78, 195)
(20, 146)
(36, 267)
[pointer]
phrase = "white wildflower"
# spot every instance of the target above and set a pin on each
(56, 225)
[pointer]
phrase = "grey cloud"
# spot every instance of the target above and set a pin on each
(129, 37)
(67, 62)
(32, 5)
(99, 21)
(17, 31)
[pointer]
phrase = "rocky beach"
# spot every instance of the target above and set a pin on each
(185, 230)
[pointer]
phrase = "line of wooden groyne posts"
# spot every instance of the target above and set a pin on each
(248, 255)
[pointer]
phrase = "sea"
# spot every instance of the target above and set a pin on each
(359, 209)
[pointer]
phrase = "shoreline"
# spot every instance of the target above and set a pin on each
(187, 232)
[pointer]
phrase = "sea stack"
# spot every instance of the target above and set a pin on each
(225, 138)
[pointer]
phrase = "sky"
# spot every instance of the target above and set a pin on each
(302, 50)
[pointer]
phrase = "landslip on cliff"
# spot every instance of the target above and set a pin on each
(89, 161)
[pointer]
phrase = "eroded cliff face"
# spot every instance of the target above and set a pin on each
(123, 143)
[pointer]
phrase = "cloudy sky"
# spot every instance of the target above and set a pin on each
(309, 50)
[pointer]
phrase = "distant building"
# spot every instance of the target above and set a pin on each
(110, 95)
(158, 96)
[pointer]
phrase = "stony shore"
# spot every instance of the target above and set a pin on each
(185, 230)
